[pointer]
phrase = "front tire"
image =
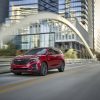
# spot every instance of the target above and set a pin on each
(44, 69)
(62, 67)
(17, 73)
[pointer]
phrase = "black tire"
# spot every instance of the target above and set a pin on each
(17, 73)
(62, 67)
(44, 69)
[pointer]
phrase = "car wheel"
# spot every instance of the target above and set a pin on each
(62, 67)
(17, 73)
(44, 69)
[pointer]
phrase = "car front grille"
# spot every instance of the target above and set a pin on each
(20, 69)
(21, 61)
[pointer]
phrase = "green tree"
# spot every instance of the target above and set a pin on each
(9, 51)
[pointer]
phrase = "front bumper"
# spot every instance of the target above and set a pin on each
(22, 70)
(29, 68)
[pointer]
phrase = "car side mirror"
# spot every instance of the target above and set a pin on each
(49, 53)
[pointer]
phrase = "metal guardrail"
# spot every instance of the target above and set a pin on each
(7, 61)
(5, 64)
(72, 61)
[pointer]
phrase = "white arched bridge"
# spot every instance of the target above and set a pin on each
(13, 28)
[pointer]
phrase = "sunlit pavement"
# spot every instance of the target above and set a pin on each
(78, 82)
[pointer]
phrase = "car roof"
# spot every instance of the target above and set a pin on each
(46, 48)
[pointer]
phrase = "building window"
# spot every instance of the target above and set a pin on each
(63, 37)
(61, 1)
(69, 36)
(66, 36)
(72, 36)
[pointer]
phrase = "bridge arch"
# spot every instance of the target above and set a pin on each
(10, 30)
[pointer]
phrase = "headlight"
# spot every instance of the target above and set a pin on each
(34, 59)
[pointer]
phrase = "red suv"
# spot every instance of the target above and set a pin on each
(38, 60)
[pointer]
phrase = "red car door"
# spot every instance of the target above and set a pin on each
(57, 58)
(51, 58)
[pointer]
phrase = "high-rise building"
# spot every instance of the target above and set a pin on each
(83, 10)
(48, 5)
(18, 9)
(91, 22)
(79, 12)
(21, 8)
(4, 10)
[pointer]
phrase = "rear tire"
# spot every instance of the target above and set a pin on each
(62, 67)
(44, 69)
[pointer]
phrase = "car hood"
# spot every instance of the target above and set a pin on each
(26, 56)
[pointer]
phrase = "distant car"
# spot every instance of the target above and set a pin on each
(38, 60)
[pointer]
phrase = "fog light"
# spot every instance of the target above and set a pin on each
(28, 65)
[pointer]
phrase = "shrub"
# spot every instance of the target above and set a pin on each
(71, 54)
(9, 51)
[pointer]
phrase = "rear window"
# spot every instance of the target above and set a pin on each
(58, 51)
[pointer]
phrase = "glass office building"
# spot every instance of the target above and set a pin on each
(18, 9)
(75, 8)
(83, 10)
(21, 8)
(48, 5)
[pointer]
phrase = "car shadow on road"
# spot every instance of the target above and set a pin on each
(34, 74)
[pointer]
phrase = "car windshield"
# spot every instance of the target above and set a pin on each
(39, 51)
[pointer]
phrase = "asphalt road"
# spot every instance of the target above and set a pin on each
(78, 82)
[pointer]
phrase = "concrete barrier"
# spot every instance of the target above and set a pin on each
(5, 64)
(73, 61)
